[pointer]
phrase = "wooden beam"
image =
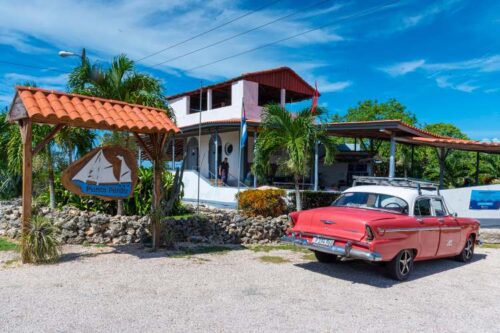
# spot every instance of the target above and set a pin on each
(46, 140)
(143, 145)
(26, 135)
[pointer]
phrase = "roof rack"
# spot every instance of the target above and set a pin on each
(399, 182)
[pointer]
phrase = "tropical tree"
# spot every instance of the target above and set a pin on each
(120, 81)
(295, 135)
(369, 110)
(373, 110)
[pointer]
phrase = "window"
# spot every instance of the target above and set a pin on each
(423, 207)
(194, 102)
(373, 201)
(269, 95)
(221, 97)
(438, 207)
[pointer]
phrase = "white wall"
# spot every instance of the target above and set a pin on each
(184, 118)
(226, 137)
(240, 90)
(208, 193)
(251, 95)
(458, 200)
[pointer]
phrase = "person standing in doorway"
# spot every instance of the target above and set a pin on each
(224, 171)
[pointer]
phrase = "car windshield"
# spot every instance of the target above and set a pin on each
(372, 201)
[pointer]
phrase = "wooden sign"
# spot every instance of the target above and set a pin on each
(106, 172)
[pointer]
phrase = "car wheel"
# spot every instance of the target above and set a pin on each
(325, 257)
(467, 251)
(401, 266)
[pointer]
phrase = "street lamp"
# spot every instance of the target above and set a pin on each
(65, 54)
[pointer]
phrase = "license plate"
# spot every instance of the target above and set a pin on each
(322, 241)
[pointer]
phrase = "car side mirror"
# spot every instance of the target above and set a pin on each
(454, 214)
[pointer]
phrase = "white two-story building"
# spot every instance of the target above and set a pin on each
(210, 120)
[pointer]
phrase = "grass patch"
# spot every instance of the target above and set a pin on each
(6, 245)
(273, 259)
(266, 248)
(11, 262)
(490, 246)
(212, 249)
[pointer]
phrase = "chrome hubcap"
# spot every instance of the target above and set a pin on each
(405, 263)
(469, 247)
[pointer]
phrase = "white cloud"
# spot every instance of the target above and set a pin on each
(444, 82)
(428, 13)
(444, 73)
(482, 64)
(139, 28)
(20, 42)
(47, 82)
(403, 68)
(491, 90)
(325, 86)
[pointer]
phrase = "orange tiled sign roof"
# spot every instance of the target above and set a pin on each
(55, 107)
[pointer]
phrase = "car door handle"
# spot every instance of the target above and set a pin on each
(420, 220)
(441, 220)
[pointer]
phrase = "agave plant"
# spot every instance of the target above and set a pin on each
(41, 244)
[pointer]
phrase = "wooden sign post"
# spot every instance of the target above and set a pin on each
(109, 173)
(35, 105)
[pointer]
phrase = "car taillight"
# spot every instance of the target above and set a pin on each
(369, 233)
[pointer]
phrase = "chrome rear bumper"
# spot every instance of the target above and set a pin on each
(346, 251)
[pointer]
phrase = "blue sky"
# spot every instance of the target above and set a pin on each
(439, 58)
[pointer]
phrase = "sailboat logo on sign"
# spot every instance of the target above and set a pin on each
(106, 172)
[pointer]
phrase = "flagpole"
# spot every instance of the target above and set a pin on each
(239, 156)
(199, 148)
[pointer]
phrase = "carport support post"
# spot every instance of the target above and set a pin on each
(216, 160)
(26, 135)
(477, 168)
(392, 157)
(316, 158)
(442, 153)
(412, 170)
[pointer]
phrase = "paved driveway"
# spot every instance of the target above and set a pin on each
(237, 291)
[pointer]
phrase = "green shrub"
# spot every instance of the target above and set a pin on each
(263, 202)
(138, 204)
(41, 245)
(312, 199)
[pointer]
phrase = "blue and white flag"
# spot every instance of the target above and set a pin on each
(244, 133)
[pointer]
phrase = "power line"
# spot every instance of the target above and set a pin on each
(242, 33)
(356, 15)
(210, 30)
(31, 66)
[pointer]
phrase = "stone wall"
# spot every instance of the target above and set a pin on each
(211, 225)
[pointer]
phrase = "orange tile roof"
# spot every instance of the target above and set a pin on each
(55, 107)
(462, 144)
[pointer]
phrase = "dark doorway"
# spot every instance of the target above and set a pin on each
(211, 155)
(192, 154)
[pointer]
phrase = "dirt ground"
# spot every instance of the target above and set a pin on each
(241, 290)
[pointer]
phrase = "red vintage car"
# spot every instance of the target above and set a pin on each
(396, 225)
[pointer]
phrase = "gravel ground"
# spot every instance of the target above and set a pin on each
(129, 289)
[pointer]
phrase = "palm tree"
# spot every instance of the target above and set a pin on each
(294, 134)
(120, 82)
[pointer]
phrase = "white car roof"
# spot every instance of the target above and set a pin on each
(406, 193)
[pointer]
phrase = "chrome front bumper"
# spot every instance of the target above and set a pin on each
(346, 251)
